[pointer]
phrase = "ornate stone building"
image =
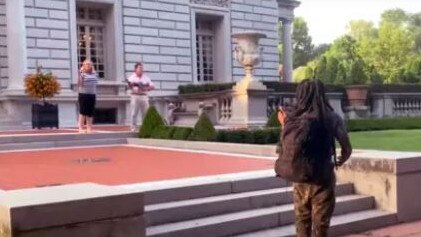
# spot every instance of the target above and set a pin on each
(178, 41)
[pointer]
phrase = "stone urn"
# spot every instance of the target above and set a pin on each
(248, 54)
(357, 95)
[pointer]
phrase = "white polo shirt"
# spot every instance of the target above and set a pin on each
(140, 80)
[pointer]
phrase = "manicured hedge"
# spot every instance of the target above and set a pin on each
(203, 130)
(181, 133)
(191, 88)
(383, 124)
(152, 121)
(163, 132)
(258, 136)
(273, 121)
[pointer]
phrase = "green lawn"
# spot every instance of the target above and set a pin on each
(395, 140)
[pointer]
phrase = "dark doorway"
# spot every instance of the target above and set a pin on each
(105, 116)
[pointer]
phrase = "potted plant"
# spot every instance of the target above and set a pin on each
(41, 86)
(356, 88)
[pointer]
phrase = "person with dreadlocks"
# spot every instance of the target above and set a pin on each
(307, 156)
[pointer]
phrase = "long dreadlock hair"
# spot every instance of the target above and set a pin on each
(311, 100)
(312, 103)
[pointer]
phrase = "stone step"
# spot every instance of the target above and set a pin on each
(62, 144)
(217, 205)
(214, 187)
(38, 138)
(251, 220)
(341, 225)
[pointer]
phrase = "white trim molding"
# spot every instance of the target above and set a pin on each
(114, 34)
(223, 46)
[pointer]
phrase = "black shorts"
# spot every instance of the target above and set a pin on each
(87, 104)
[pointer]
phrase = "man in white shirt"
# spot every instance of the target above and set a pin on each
(140, 85)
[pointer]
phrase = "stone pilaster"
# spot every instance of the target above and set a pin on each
(16, 43)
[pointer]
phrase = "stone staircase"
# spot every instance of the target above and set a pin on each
(19, 142)
(260, 207)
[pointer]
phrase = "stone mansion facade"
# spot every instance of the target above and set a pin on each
(178, 41)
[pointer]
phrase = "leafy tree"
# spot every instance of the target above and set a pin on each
(301, 43)
(344, 50)
(415, 28)
(395, 16)
(321, 68)
(320, 49)
(302, 73)
(361, 29)
(332, 67)
(341, 76)
(411, 73)
(357, 73)
(389, 52)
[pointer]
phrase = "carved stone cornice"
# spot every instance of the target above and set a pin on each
(216, 3)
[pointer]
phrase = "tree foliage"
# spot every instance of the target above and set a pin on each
(389, 53)
(302, 43)
(303, 48)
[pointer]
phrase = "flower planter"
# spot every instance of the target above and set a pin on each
(44, 116)
(357, 95)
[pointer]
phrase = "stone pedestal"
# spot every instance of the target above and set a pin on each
(249, 102)
(249, 105)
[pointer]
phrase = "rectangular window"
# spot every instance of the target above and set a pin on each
(90, 30)
(205, 41)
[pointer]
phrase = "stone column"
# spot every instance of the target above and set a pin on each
(16, 43)
(287, 48)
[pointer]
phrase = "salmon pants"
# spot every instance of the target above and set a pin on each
(314, 206)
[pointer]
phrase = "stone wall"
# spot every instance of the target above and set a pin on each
(48, 37)
(261, 16)
(3, 45)
(157, 33)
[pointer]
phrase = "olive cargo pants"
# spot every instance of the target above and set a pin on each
(314, 205)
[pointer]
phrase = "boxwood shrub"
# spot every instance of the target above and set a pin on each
(257, 136)
(203, 130)
(163, 132)
(210, 87)
(152, 121)
(383, 124)
(181, 133)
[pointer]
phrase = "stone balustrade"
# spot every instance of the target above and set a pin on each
(174, 108)
(396, 105)
(220, 106)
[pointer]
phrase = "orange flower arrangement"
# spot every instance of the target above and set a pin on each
(41, 85)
